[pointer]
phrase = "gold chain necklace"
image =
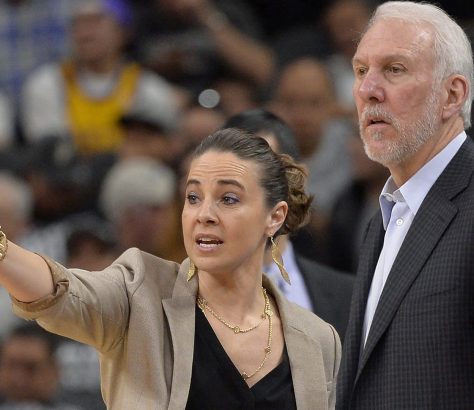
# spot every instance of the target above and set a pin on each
(203, 305)
(267, 312)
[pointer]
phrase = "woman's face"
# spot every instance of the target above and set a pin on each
(225, 218)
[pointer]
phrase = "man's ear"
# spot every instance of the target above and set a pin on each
(277, 217)
(457, 89)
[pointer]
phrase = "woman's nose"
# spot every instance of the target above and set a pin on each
(207, 212)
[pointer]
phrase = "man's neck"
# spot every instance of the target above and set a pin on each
(102, 66)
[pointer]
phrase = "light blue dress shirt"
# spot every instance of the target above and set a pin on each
(399, 207)
(296, 292)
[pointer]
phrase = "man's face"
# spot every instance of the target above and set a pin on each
(96, 35)
(303, 100)
(27, 370)
(394, 90)
(344, 20)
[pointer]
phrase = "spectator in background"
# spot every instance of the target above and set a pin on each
(29, 372)
(32, 33)
(304, 99)
(139, 197)
(331, 38)
(195, 124)
(313, 286)
(191, 42)
(344, 21)
(86, 95)
(7, 123)
(235, 94)
(65, 186)
(16, 205)
(91, 246)
(354, 207)
(79, 374)
(145, 134)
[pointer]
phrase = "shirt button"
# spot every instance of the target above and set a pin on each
(399, 221)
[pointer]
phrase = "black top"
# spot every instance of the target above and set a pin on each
(217, 384)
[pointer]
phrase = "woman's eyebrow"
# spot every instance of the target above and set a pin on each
(231, 182)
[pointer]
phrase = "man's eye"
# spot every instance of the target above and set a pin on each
(395, 69)
(360, 71)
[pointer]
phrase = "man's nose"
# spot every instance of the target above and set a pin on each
(370, 87)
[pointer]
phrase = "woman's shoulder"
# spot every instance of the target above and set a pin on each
(306, 327)
(137, 256)
(139, 264)
(312, 325)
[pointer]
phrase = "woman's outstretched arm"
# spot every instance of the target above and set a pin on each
(25, 275)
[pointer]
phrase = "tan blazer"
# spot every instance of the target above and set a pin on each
(139, 314)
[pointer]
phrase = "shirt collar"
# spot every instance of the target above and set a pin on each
(414, 191)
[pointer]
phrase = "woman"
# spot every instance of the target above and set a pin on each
(208, 334)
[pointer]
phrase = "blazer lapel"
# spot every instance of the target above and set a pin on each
(352, 341)
(180, 312)
(305, 355)
(431, 221)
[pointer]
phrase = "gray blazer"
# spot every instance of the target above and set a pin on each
(420, 350)
(139, 314)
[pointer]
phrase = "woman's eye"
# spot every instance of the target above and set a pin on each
(229, 200)
(192, 198)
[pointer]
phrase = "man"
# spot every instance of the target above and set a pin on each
(29, 371)
(323, 290)
(138, 197)
(86, 95)
(304, 98)
(410, 338)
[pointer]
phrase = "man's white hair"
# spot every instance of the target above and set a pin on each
(452, 49)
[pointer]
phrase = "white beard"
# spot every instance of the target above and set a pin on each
(410, 136)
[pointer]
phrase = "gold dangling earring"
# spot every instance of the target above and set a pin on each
(276, 256)
(191, 270)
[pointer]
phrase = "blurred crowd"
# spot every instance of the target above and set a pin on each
(102, 102)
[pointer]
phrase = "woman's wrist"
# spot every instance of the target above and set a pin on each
(3, 245)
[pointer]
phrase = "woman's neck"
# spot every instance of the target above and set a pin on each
(236, 297)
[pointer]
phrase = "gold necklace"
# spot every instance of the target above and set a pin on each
(267, 312)
(204, 305)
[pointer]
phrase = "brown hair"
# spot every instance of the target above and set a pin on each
(282, 178)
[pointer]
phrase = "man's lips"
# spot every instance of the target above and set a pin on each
(375, 121)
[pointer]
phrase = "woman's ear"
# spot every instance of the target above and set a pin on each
(456, 91)
(277, 217)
